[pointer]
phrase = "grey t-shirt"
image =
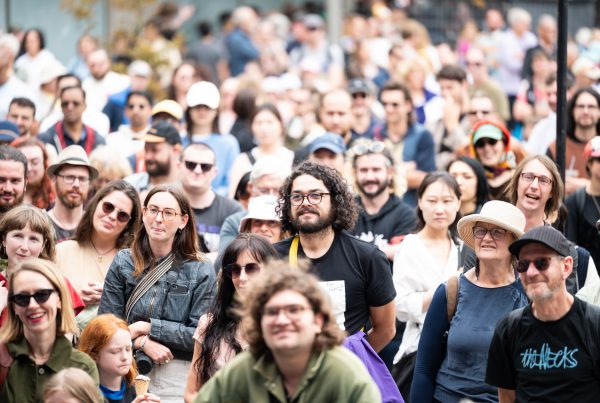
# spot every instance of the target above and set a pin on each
(210, 219)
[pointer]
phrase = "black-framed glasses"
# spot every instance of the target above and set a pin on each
(292, 312)
(312, 198)
(367, 147)
(168, 214)
(108, 208)
(70, 179)
(191, 165)
(40, 296)
(529, 177)
(485, 141)
(496, 233)
(541, 264)
(234, 270)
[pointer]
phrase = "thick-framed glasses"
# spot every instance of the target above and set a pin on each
(168, 214)
(191, 165)
(542, 179)
(234, 270)
(292, 312)
(108, 208)
(70, 179)
(312, 198)
(374, 147)
(541, 264)
(23, 300)
(496, 233)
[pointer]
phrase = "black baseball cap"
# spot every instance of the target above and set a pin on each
(162, 131)
(545, 235)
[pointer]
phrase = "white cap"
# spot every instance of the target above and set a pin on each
(203, 93)
(260, 208)
(139, 68)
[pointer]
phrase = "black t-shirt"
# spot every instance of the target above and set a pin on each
(210, 219)
(356, 274)
(581, 225)
(547, 361)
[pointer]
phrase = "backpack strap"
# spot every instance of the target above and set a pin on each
(451, 296)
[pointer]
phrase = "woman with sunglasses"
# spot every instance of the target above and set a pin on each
(40, 314)
(107, 226)
(218, 337)
(160, 287)
(26, 232)
(462, 316)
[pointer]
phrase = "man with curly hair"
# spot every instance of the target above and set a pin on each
(318, 208)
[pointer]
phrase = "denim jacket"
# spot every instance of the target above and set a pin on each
(172, 306)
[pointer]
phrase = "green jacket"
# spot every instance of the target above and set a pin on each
(334, 375)
(26, 380)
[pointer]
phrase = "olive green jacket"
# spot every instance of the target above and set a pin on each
(334, 375)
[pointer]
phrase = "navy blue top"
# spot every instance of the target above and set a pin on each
(460, 373)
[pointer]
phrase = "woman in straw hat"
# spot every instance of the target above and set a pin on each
(452, 352)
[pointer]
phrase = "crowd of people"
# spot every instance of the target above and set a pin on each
(266, 215)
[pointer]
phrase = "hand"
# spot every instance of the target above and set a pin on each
(139, 328)
(3, 296)
(91, 295)
(451, 113)
(157, 352)
(147, 397)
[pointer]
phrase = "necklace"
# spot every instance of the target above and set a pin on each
(101, 255)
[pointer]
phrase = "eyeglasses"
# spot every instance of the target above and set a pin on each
(108, 208)
(70, 179)
(292, 312)
(191, 165)
(542, 179)
(234, 270)
(541, 263)
(23, 300)
(485, 141)
(375, 147)
(312, 198)
(168, 214)
(496, 233)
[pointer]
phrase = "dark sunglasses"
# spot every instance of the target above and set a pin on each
(234, 270)
(40, 297)
(190, 165)
(485, 141)
(108, 208)
(541, 263)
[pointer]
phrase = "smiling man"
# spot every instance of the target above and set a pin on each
(319, 209)
(548, 350)
(13, 178)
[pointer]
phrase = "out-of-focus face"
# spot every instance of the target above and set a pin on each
(336, 113)
(35, 164)
(476, 64)
(33, 43)
(266, 129)
(138, 111)
(328, 158)
(267, 185)
(98, 64)
(229, 90)
(373, 174)
(114, 359)
(301, 98)
(12, 184)
(184, 77)
(157, 157)
(202, 115)
(439, 206)
(534, 188)
(551, 92)
(110, 213)
(72, 103)
(395, 105)
(451, 89)
(489, 151)
(466, 179)
(480, 108)
(72, 184)
(22, 116)
(586, 111)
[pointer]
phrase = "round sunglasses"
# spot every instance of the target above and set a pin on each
(541, 264)
(234, 270)
(108, 208)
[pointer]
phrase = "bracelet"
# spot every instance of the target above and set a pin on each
(143, 343)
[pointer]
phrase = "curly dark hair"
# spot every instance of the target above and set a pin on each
(345, 208)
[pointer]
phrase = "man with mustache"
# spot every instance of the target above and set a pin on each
(13, 178)
(383, 217)
(71, 176)
(317, 206)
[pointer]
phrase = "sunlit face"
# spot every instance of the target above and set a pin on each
(533, 196)
(196, 180)
(35, 164)
(241, 283)
(289, 324)
(114, 359)
(467, 180)
(439, 206)
(542, 285)
(311, 218)
(489, 154)
(395, 105)
(336, 113)
(157, 157)
(328, 158)
(22, 116)
(107, 224)
(21, 244)
(160, 230)
(37, 318)
(489, 248)
(270, 229)
(184, 77)
(73, 194)
(373, 174)
(267, 129)
(138, 110)
(12, 184)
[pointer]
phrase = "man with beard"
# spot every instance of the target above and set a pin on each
(383, 217)
(549, 350)
(21, 111)
(162, 147)
(71, 176)
(317, 207)
(197, 170)
(13, 178)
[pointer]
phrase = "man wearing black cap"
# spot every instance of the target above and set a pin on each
(364, 122)
(548, 350)
(162, 147)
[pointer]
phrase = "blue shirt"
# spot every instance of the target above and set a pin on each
(226, 148)
(241, 51)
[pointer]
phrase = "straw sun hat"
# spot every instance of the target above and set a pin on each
(499, 213)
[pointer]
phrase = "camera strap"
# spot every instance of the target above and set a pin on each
(147, 282)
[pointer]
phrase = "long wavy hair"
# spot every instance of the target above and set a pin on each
(44, 196)
(223, 321)
(84, 230)
(185, 243)
(345, 209)
(98, 333)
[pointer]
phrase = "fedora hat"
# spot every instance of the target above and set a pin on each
(496, 212)
(72, 155)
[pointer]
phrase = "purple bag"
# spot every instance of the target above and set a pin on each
(359, 345)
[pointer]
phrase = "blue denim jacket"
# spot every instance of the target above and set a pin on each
(172, 306)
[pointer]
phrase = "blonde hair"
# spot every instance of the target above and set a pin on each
(13, 328)
(77, 383)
